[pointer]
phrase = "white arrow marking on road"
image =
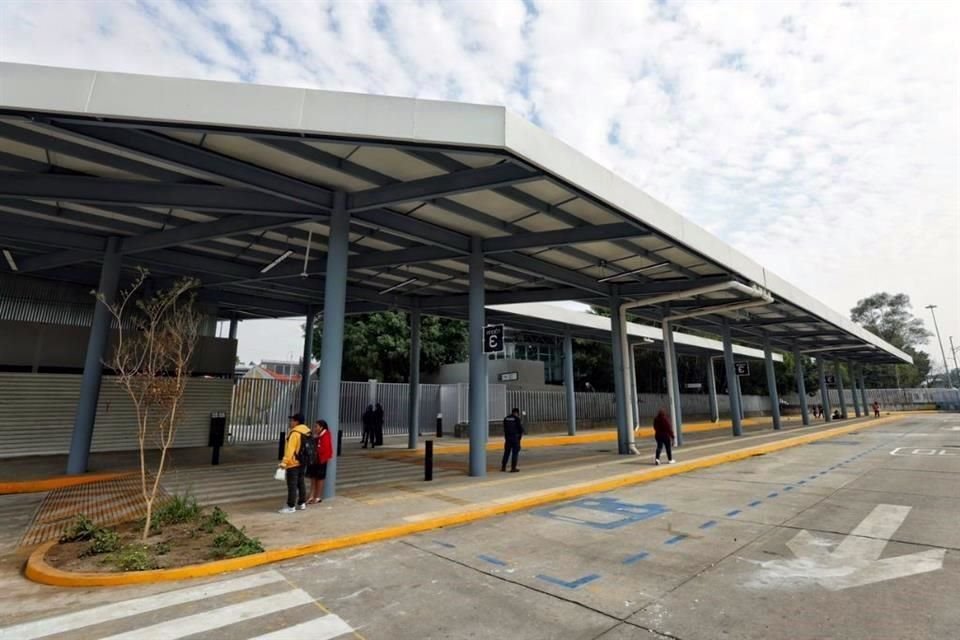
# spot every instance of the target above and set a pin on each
(856, 561)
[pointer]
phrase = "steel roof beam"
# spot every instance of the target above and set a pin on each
(427, 189)
(149, 194)
(560, 237)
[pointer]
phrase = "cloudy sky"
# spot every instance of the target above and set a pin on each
(820, 139)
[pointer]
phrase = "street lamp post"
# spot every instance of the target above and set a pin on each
(953, 351)
(946, 367)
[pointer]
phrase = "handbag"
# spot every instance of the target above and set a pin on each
(280, 474)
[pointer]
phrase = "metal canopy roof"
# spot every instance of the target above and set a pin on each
(219, 180)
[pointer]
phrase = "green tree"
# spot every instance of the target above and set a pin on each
(889, 316)
(377, 345)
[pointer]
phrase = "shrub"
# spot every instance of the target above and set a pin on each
(82, 528)
(234, 543)
(161, 548)
(133, 557)
(176, 510)
(103, 541)
(214, 519)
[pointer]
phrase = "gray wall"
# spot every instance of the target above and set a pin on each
(530, 374)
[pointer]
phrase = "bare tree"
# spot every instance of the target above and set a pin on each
(156, 339)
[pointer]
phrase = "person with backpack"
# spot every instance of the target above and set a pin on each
(317, 467)
(295, 454)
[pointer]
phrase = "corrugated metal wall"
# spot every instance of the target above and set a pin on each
(37, 412)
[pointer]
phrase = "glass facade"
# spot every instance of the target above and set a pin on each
(519, 345)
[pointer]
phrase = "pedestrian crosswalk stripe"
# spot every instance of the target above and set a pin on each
(216, 618)
(116, 611)
(329, 626)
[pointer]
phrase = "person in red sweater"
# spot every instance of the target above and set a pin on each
(317, 470)
(663, 432)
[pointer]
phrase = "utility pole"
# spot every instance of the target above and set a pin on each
(946, 367)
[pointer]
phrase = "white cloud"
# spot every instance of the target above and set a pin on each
(819, 138)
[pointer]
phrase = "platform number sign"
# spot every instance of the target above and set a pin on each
(493, 338)
(742, 368)
(829, 379)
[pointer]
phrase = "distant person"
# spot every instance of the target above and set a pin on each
(369, 423)
(836, 414)
(818, 412)
(378, 424)
(663, 433)
(512, 434)
(317, 468)
(297, 436)
(876, 409)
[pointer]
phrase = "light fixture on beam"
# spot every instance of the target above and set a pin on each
(633, 272)
(10, 260)
(280, 258)
(397, 286)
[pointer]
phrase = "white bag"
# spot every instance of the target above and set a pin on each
(280, 474)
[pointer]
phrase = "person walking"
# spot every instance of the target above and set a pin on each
(369, 420)
(317, 468)
(293, 465)
(876, 409)
(512, 434)
(378, 424)
(663, 433)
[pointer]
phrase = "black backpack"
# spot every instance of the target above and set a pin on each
(307, 454)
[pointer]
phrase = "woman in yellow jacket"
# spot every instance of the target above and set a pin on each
(296, 487)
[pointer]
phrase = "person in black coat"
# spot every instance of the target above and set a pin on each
(369, 422)
(512, 434)
(378, 423)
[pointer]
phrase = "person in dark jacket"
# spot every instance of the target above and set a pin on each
(369, 422)
(512, 434)
(378, 424)
(663, 432)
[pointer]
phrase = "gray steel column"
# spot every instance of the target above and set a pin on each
(305, 365)
(619, 381)
(334, 310)
(743, 412)
(93, 362)
(479, 421)
(712, 390)
(413, 394)
(634, 396)
(824, 391)
(568, 385)
(771, 383)
(677, 400)
(863, 393)
(801, 386)
(668, 371)
(853, 388)
(233, 327)
(732, 381)
(843, 401)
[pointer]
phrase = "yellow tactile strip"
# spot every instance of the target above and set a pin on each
(106, 502)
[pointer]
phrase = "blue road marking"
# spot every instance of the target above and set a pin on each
(733, 513)
(445, 544)
(708, 524)
(492, 560)
(755, 503)
(636, 557)
(813, 477)
(788, 488)
(576, 584)
(626, 512)
(802, 482)
(675, 539)
(773, 495)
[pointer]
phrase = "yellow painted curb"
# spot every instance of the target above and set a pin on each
(58, 482)
(39, 571)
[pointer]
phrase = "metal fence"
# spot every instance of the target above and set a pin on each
(260, 408)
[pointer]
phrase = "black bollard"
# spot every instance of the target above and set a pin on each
(439, 425)
(215, 460)
(339, 443)
(428, 462)
(280, 447)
